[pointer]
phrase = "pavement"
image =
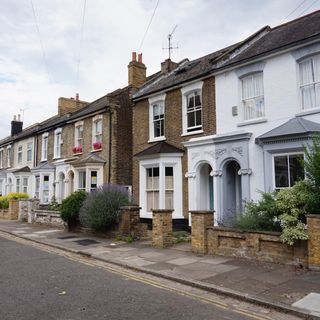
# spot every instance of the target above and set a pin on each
(286, 288)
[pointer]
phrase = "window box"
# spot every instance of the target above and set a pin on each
(97, 145)
(77, 149)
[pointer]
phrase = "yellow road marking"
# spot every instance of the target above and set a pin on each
(103, 265)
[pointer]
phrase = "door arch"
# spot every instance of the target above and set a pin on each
(205, 187)
(232, 191)
(61, 177)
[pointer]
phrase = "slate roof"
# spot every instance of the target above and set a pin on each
(43, 166)
(24, 169)
(91, 158)
(263, 42)
(280, 37)
(296, 127)
(160, 147)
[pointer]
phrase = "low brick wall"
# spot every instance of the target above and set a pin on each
(48, 218)
(4, 214)
(313, 222)
(162, 228)
(130, 222)
(26, 206)
(261, 246)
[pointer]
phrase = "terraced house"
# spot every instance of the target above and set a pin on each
(222, 128)
(83, 146)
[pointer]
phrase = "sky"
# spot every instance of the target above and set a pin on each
(55, 48)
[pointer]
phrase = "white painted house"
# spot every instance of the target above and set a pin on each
(267, 108)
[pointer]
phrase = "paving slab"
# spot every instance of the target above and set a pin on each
(215, 260)
(311, 302)
(183, 261)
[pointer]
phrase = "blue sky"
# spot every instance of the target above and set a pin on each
(111, 31)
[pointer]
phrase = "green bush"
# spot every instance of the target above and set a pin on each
(261, 215)
(70, 206)
(4, 202)
(17, 195)
(101, 207)
(292, 204)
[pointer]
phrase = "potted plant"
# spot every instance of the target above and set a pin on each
(97, 145)
(77, 149)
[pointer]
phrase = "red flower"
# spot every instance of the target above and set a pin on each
(77, 149)
(97, 145)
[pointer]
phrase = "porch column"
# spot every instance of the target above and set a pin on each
(200, 220)
(162, 228)
(313, 222)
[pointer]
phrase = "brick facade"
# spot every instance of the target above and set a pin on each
(173, 130)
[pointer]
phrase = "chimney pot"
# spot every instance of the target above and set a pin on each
(14, 118)
(19, 117)
(134, 56)
(77, 96)
(140, 57)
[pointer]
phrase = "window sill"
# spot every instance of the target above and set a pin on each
(56, 158)
(192, 133)
(96, 150)
(43, 160)
(77, 154)
(307, 112)
(156, 139)
(253, 121)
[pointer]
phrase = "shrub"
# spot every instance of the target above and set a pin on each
(260, 215)
(70, 206)
(4, 202)
(101, 207)
(292, 204)
(17, 195)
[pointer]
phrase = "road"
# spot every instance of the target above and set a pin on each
(40, 283)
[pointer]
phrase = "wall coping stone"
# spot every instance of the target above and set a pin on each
(313, 216)
(272, 233)
(130, 208)
(47, 212)
(202, 211)
(162, 211)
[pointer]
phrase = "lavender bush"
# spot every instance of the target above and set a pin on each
(101, 207)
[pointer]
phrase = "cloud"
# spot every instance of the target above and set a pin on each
(112, 30)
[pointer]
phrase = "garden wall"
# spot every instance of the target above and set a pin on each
(47, 218)
(261, 246)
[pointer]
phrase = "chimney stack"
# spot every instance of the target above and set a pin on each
(70, 105)
(16, 125)
(137, 71)
(167, 66)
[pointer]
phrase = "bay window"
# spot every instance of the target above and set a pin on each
(288, 170)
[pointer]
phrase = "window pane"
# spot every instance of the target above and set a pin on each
(198, 117)
(169, 200)
(169, 178)
(82, 180)
(191, 101)
(296, 169)
(281, 171)
(306, 74)
(93, 182)
(191, 119)
(197, 99)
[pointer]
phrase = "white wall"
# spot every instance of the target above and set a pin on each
(282, 102)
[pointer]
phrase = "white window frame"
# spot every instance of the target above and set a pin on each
(44, 146)
(254, 99)
(18, 184)
(78, 142)
(164, 160)
(97, 136)
(274, 169)
(9, 156)
(19, 153)
(314, 83)
(57, 143)
(185, 92)
(1, 158)
(29, 151)
(159, 99)
(24, 187)
(84, 188)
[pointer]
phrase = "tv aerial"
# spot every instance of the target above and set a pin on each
(170, 47)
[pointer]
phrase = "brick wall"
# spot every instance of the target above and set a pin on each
(173, 130)
(261, 246)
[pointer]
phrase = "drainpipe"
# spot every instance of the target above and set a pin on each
(110, 145)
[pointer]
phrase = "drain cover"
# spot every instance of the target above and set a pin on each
(66, 237)
(86, 242)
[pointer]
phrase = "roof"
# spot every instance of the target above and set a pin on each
(296, 127)
(91, 158)
(278, 38)
(43, 166)
(160, 147)
(185, 71)
(263, 42)
(24, 169)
